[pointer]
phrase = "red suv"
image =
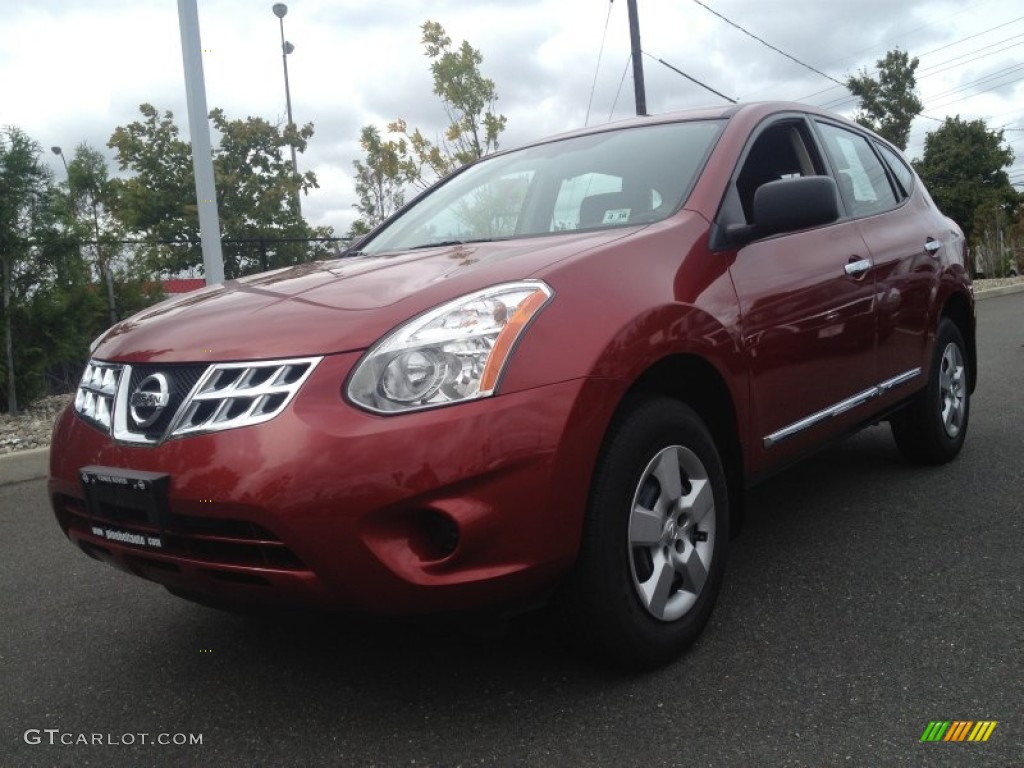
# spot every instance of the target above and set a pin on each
(552, 374)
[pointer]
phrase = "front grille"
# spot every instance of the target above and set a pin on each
(147, 404)
(211, 540)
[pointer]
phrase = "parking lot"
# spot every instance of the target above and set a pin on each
(864, 599)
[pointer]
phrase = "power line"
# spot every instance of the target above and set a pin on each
(1016, 111)
(688, 77)
(978, 93)
(971, 37)
(597, 68)
(625, 69)
(990, 76)
(766, 43)
(843, 100)
(934, 50)
(906, 33)
(934, 68)
(838, 102)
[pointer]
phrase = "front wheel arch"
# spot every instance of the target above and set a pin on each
(694, 381)
(651, 560)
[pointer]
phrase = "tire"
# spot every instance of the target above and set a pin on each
(932, 427)
(646, 581)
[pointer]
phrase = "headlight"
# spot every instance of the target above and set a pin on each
(453, 353)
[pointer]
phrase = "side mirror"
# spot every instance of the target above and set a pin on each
(788, 205)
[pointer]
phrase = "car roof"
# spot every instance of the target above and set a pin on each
(754, 109)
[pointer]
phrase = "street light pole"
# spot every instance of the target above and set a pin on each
(60, 152)
(102, 265)
(281, 10)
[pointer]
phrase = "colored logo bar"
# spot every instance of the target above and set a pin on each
(959, 730)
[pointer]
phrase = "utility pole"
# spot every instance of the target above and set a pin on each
(638, 62)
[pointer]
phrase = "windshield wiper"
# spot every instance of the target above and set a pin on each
(442, 243)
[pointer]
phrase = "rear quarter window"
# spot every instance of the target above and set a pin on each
(900, 170)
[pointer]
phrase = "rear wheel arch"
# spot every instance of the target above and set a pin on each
(958, 309)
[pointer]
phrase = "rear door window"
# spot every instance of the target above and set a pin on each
(862, 179)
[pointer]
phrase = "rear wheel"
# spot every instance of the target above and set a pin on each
(654, 540)
(932, 428)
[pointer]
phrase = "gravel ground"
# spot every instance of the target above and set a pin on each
(31, 428)
(996, 282)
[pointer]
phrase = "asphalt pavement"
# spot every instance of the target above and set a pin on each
(864, 599)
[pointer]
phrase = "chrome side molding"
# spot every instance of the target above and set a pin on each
(843, 406)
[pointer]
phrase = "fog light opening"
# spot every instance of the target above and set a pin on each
(436, 535)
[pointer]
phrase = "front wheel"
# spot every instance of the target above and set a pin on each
(654, 540)
(932, 427)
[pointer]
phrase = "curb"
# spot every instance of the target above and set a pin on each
(1005, 290)
(33, 464)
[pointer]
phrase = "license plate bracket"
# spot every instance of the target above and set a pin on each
(118, 495)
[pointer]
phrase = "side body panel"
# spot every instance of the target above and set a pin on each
(808, 334)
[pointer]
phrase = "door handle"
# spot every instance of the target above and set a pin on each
(932, 246)
(858, 267)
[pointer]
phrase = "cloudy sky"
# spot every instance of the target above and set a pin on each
(73, 70)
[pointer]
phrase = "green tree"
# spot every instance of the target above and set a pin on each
(888, 104)
(85, 211)
(381, 177)
(52, 306)
(89, 192)
(358, 229)
(158, 199)
(964, 169)
(260, 225)
(26, 186)
(468, 99)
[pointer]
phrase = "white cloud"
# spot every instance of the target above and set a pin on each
(73, 70)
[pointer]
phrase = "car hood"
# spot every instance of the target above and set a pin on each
(331, 306)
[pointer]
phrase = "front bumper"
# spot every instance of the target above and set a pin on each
(328, 506)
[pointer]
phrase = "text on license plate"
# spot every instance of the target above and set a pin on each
(126, 537)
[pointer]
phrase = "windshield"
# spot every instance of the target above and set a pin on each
(616, 178)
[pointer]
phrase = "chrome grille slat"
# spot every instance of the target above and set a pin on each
(240, 378)
(96, 392)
